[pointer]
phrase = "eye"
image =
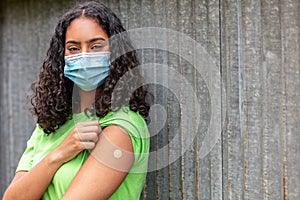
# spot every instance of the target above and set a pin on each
(97, 47)
(73, 49)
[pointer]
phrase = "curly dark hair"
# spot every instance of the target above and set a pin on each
(52, 92)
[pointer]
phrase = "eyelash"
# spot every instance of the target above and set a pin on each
(97, 47)
(72, 49)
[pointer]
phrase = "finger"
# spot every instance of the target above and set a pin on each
(88, 144)
(92, 136)
(90, 128)
(88, 123)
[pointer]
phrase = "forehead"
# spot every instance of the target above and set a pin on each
(84, 28)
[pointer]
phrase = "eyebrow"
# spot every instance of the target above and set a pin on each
(89, 41)
(95, 39)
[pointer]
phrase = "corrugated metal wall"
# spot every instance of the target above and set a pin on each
(254, 44)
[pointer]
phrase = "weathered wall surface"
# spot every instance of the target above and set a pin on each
(255, 47)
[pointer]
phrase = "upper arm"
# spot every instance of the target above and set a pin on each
(106, 167)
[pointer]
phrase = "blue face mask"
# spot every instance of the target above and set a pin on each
(87, 70)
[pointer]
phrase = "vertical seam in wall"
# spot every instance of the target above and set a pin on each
(10, 104)
(195, 86)
(240, 68)
(284, 109)
(180, 104)
(241, 89)
(221, 84)
(264, 144)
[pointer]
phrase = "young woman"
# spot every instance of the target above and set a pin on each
(95, 148)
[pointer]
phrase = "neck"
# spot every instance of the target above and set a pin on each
(87, 99)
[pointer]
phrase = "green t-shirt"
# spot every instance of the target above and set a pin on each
(40, 144)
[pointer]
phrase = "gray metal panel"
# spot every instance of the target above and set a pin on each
(232, 76)
(290, 36)
(185, 12)
(251, 99)
(175, 169)
(268, 55)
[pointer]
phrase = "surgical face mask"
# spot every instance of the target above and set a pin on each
(87, 70)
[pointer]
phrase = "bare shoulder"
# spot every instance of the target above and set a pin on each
(118, 137)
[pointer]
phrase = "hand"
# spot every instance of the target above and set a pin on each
(83, 136)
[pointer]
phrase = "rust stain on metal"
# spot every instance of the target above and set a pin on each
(229, 189)
(283, 137)
(284, 167)
(229, 132)
(284, 186)
(265, 158)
